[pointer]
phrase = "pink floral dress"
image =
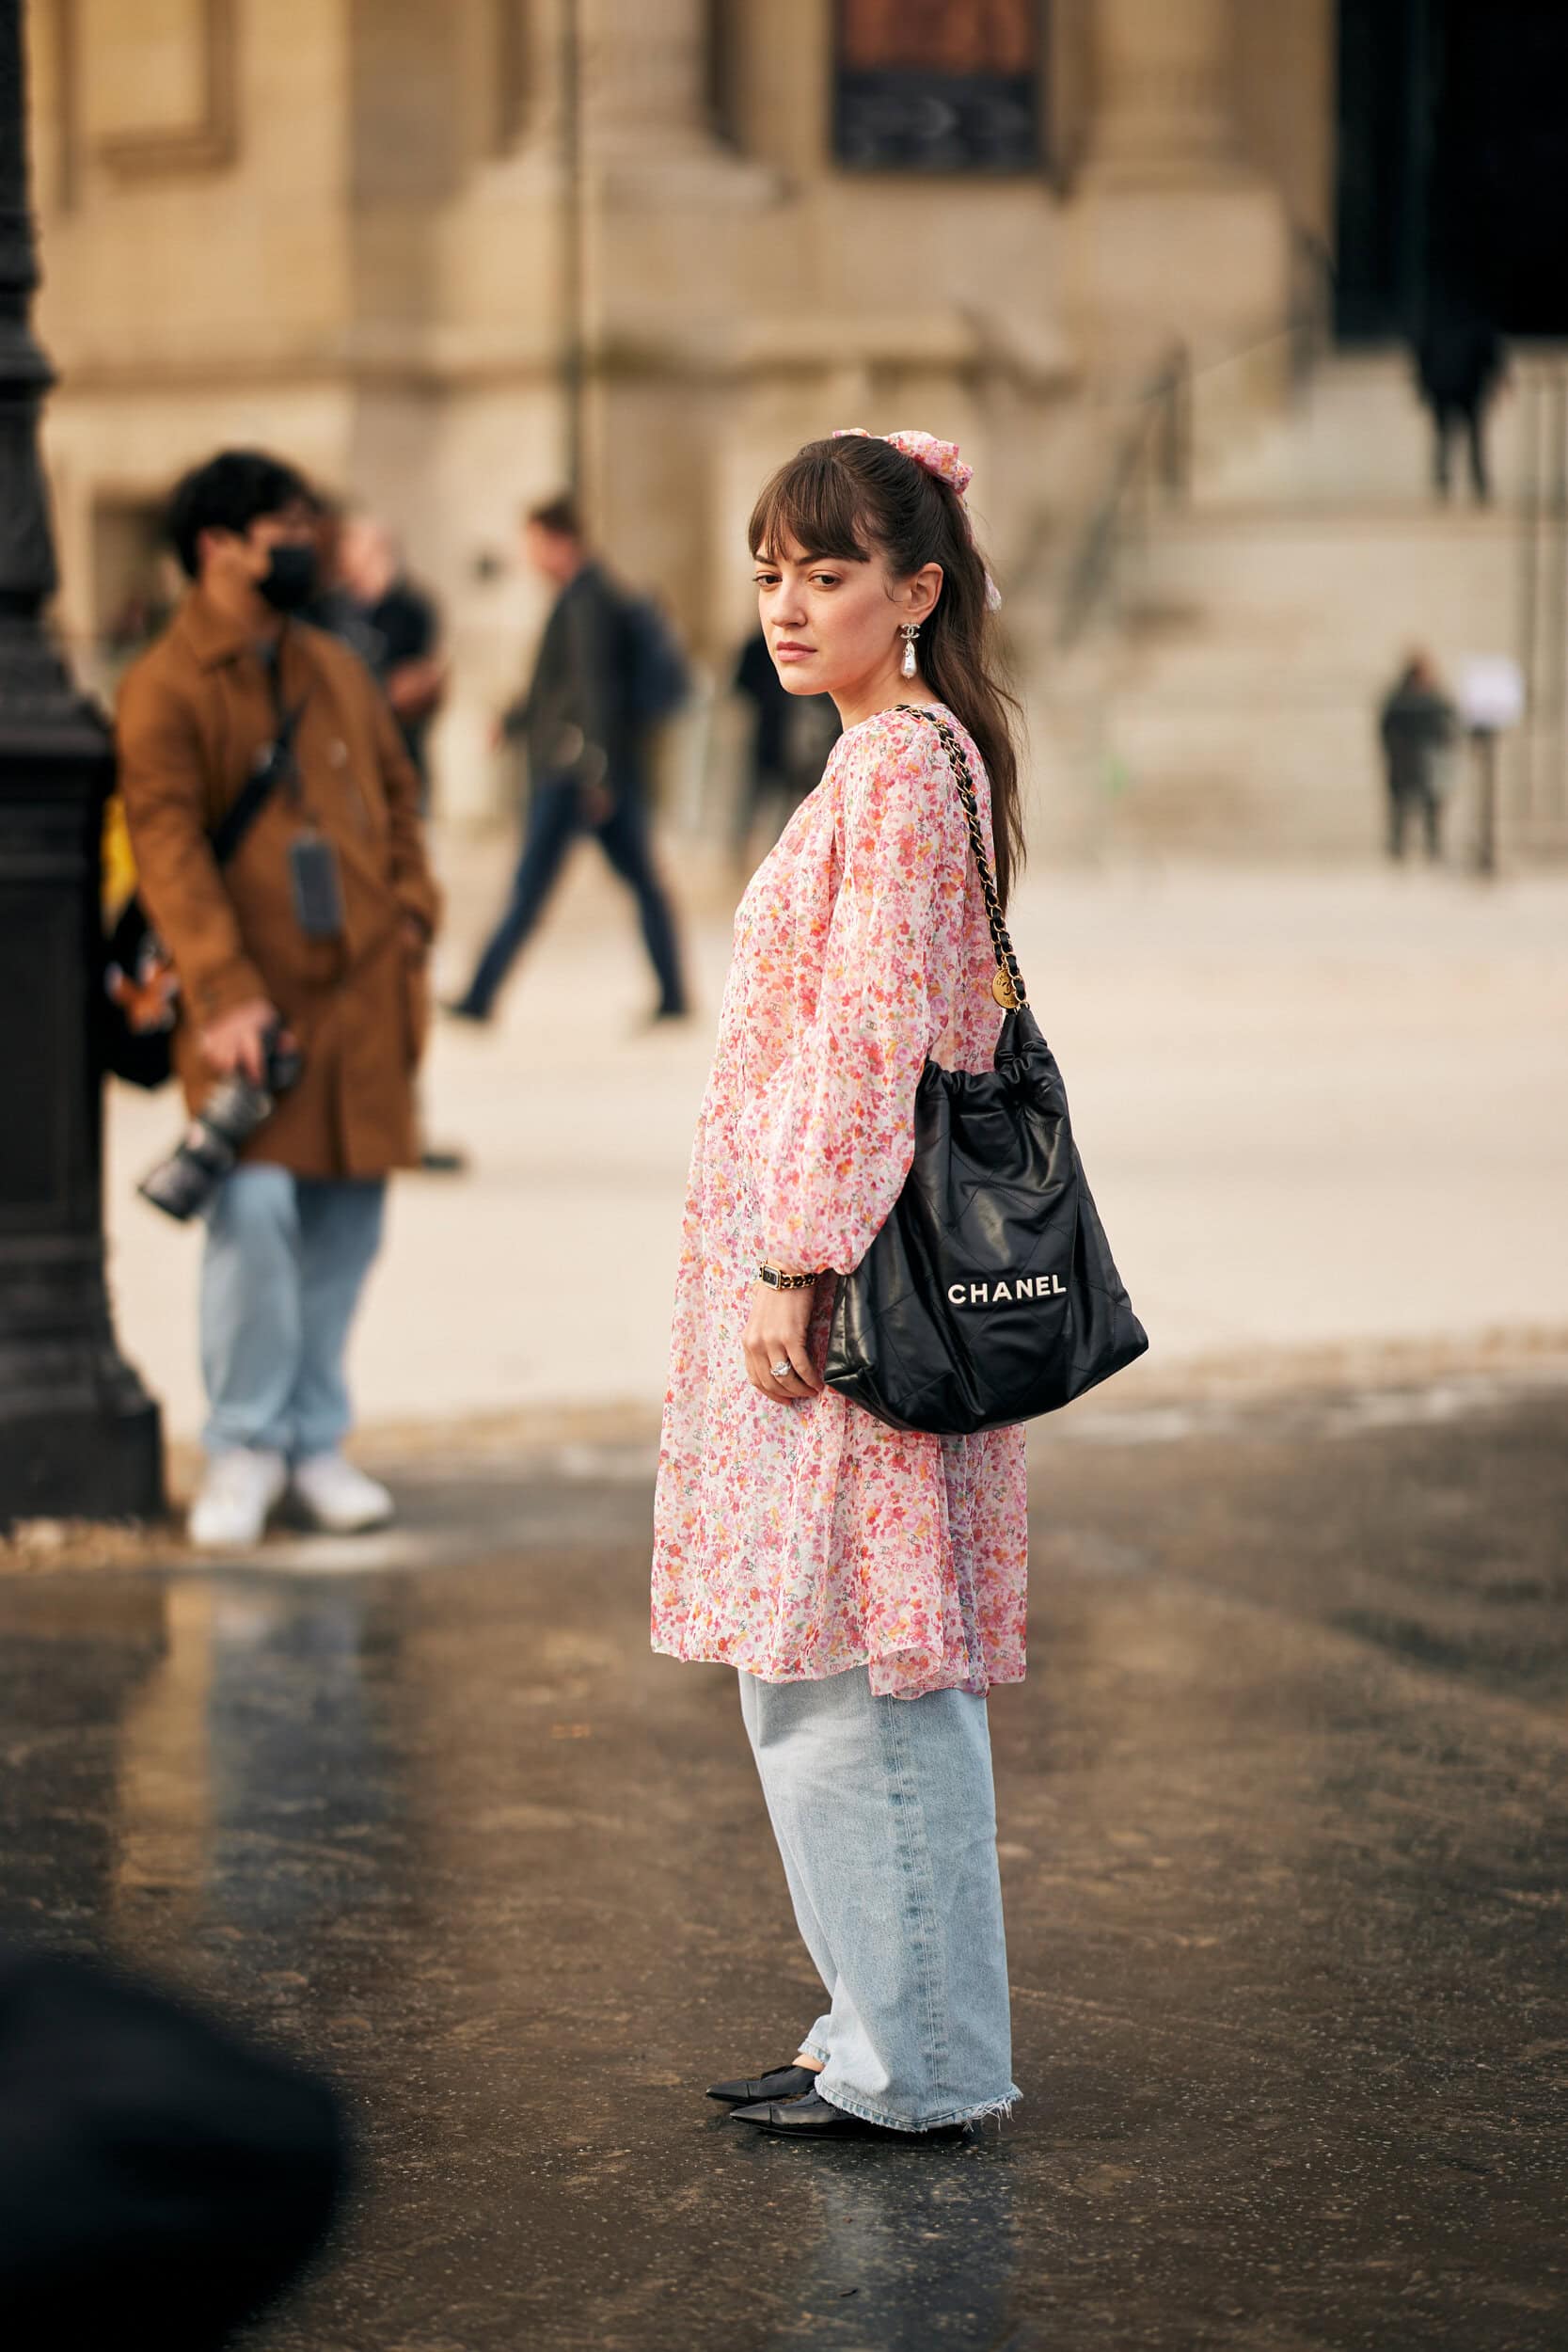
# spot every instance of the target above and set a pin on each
(800, 1540)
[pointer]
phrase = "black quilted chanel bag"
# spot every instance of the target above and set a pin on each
(990, 1294)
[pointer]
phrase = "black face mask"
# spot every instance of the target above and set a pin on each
(290, 580)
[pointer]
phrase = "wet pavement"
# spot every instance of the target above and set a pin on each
(1285, 1846)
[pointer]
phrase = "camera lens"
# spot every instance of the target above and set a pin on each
(186, 1181)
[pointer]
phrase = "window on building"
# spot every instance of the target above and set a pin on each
(925, 86)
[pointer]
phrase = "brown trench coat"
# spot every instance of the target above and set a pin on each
(194, 713)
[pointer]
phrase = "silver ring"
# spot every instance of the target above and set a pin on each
(781, 1371)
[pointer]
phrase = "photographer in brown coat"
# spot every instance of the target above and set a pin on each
(319, 928)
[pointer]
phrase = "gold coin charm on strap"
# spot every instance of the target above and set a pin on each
(1003, 989)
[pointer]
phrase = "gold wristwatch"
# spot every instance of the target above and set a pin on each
(777, 1279)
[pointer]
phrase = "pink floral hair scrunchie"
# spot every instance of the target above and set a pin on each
(939, 457)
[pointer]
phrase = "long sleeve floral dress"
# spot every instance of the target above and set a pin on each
(800, 1540)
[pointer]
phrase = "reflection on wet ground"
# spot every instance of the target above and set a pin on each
(1284, 1838)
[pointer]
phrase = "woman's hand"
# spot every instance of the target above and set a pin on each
(775, 1333)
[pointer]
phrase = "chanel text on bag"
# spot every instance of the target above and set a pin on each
(1005, 1294)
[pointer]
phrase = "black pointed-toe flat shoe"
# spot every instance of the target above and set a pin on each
(784, 2082)
(815, 2118)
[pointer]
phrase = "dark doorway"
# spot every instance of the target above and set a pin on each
(1453, 163)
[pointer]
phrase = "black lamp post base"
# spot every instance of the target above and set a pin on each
(79, 1435)
(78, 1432)
(100, 1459)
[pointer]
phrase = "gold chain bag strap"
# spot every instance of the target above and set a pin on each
(1007, 986)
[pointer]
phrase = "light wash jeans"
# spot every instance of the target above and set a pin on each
(886, 1823)
(285, 1262)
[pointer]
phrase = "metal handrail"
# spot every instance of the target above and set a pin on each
(1542, 758)
(1156, 451)
(1161, 422)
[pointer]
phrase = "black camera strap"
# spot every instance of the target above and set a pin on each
(273, 767)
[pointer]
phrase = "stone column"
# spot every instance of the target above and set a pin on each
(647, 125)
(665, 214)
(644, 76)
(1176, 238)
(1165, 74)
(636, 71)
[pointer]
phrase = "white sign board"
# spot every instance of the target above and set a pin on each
(1491, 693)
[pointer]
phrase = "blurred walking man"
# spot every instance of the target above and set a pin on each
(1418, 724)
(318, 927)
(581, 722)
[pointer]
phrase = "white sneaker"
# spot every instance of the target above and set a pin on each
(339, 1497)
(237, 1493)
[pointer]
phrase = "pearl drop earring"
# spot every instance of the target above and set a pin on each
(908, 631)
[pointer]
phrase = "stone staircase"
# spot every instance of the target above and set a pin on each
(1225, 700)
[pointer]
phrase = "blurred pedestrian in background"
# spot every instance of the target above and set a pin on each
(330, 605)
(1419, 727)
(791, 737)
(318, 927)
(395, 629)
(161, 2179)
(1460, 365)
(606, 670)
(399, 633)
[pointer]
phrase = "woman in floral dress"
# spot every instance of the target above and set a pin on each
(867, 1583)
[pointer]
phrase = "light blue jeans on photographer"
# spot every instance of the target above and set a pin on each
(285, 1262)
(885, 1818)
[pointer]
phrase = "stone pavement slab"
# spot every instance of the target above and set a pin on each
(1284, 1845)
(1319, 1110)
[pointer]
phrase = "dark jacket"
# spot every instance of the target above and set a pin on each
(757, 678)
(794, 732)
(1418, 725)
(1459, 360)
(401, 626)
(573, 719)
(194, 713)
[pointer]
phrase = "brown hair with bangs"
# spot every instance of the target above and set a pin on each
(854, 497)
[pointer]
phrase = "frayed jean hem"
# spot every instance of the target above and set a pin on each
(848, 2105)
(813, 2049)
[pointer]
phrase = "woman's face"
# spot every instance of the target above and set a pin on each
(832, 623)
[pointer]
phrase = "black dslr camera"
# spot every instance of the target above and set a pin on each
(182, 1184)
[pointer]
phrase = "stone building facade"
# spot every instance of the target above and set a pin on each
(433, 253)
